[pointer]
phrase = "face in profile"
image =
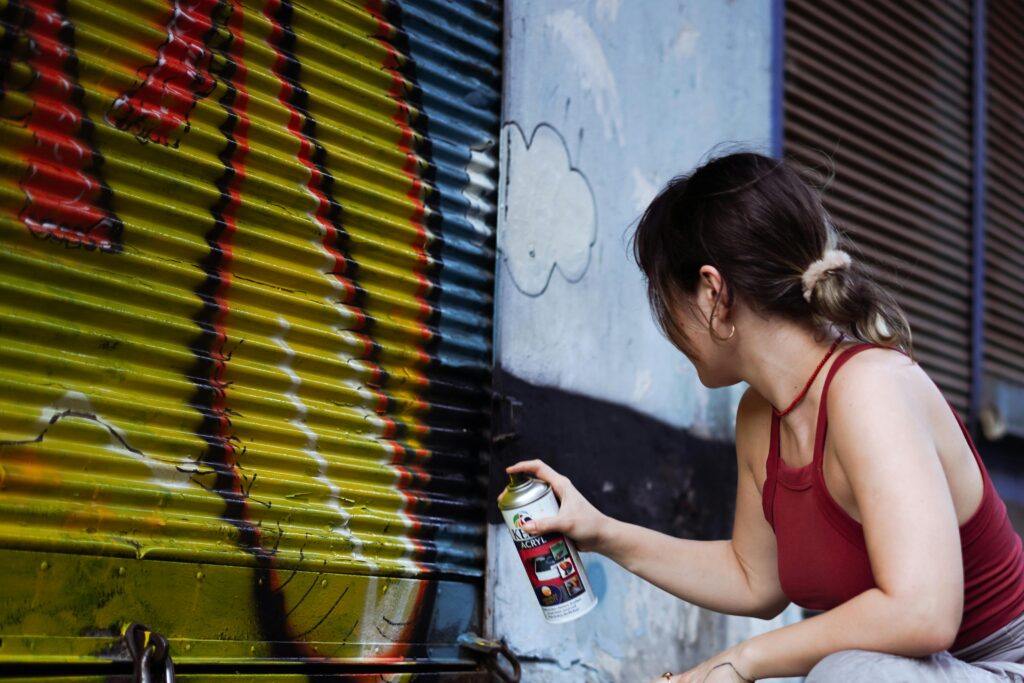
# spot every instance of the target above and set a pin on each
(713, 359)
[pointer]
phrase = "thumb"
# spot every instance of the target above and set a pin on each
(541, 526)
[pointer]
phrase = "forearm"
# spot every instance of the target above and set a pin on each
(705, 573)
(871, 621)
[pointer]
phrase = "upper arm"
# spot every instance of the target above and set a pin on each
(879, 430)
(753, 539)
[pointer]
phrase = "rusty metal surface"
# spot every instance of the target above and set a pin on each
(245, 307)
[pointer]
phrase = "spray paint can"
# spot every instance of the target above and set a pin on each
(551, 561)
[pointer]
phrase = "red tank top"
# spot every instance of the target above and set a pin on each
(822, 556)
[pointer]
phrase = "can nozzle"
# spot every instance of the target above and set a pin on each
(518, 479)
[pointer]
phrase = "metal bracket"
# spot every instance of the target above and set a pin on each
(506, 411)
(491, 649)
(150, 653)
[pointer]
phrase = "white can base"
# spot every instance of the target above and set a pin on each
(573, 616)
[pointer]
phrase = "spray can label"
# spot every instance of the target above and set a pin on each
(552, 563)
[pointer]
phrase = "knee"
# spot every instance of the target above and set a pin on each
(852, 666)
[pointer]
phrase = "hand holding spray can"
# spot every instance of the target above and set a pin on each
(551, 561)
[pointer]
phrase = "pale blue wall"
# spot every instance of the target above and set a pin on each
(604, 101)
(637, 91)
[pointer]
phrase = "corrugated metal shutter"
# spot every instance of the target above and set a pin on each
(245, 323)
(884, 91)
(1004, 212)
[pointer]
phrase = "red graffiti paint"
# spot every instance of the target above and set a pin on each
(221, 238)
(66, 197)
(312, 154)
(157, 109)
(403, 117)
(413, 478)
(212, 356)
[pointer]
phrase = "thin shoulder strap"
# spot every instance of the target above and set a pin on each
(771, 472)
(822, 425)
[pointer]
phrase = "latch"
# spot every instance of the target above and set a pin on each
(151, 655)
(505, 415)
(491, 649)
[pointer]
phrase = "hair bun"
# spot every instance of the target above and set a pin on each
(832, 259)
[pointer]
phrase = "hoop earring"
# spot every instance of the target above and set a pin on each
(723, 338)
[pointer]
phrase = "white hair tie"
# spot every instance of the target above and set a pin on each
(833, 259)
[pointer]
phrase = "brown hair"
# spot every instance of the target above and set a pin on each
(761, 225)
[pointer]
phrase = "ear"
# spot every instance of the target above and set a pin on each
(711, 288)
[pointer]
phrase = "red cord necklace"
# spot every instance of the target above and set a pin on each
(811, 380)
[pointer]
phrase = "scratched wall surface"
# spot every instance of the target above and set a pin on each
(245, 324)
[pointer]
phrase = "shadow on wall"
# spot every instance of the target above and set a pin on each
(630, 466)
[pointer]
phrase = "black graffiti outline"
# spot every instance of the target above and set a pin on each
(572, 169)
(57, 417)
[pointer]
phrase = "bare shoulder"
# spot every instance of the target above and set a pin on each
(883, 377)
(880, 398)
(753, 427)
(881, 405)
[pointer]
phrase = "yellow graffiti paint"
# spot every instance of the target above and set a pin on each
(222, 336)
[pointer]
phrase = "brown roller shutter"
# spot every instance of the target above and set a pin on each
(1003, 363)
(881, 92)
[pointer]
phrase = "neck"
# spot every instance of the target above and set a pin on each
(778, 361)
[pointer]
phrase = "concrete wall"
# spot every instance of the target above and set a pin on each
(605, 101)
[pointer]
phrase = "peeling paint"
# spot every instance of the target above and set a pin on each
(592, 71)
(685, 42)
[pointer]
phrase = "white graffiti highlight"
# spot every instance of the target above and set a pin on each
(74, 405)
(311, 446)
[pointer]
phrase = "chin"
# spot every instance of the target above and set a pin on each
(713, 380)
(717, 382)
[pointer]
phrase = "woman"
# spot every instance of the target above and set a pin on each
(859, 492)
